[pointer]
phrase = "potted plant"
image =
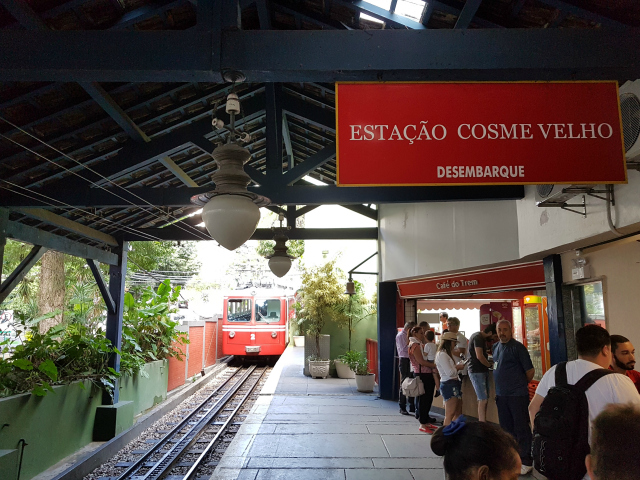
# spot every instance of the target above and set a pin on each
(359, 363)
(318, 367)
(320, 291)
(342, 364)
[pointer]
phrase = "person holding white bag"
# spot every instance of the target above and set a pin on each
(423, 370)
(450, 384)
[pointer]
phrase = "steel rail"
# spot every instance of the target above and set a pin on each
(166, 463)
(190, 474)
(164, 440)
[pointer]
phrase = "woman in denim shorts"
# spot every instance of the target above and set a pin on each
(450, 384)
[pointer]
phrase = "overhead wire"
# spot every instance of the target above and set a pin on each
(63, 204)
(99, 186)
(159, 217)
(164, 214)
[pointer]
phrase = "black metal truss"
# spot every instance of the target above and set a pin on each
(321, 56)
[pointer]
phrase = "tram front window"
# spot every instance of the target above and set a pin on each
(239, 310)
(268, 310)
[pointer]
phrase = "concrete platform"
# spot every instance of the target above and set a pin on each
(328, 429)
(325, 429)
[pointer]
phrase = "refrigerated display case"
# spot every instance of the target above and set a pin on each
(536, 333)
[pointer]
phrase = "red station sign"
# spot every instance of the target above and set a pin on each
(479, 133)
(510, 277)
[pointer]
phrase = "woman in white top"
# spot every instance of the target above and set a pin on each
(450, 385)
(422, 369)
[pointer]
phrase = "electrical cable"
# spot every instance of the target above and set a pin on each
(103, 219)
(99, 186)
(612, 227)
(151, 275)
(74, 209)
(202, 236)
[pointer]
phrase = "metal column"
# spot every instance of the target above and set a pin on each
(555, 309)
(117, 274)
(387, 331)
(4, 221)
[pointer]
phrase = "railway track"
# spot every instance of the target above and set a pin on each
(186, 445)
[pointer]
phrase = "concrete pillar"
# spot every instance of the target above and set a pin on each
(387, 364)
(555, 309)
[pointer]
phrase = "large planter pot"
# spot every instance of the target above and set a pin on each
(310, 349)
(298, 340)
(319, 368)
(343, 370)
(365, 383)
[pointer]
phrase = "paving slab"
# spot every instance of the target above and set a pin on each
(316, 428)
(381, 474)
(288, 474)
(310, 463)
(416, 445)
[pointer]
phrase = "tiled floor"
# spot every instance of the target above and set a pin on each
(324, 429)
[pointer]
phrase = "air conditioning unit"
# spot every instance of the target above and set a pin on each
(630, 110)
(557, 195)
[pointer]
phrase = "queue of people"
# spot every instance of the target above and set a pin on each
(555, 432)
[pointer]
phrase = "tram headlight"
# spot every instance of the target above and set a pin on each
(274, 334)
(232, 334)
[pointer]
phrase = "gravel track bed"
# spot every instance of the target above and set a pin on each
(159, 429)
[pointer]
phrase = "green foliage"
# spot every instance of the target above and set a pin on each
(148, 332)
(80, 351)
(163, 256)
(352, 309)
(322, 289)
(356, 361)
(294, 247)
(316, 358)
(35, 361)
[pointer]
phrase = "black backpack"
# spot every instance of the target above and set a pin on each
(561, 427)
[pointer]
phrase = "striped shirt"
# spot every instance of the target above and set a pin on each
(402, 344)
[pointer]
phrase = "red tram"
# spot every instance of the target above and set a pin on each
(256, 322)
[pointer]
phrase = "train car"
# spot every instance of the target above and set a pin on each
(256, 322)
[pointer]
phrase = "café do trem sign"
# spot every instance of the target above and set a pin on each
(479, 133)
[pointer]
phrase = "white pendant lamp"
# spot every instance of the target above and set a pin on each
(280, 261)
(230, 212)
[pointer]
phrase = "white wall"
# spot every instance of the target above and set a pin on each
(428, 238)
(543, 229)
(422, 238)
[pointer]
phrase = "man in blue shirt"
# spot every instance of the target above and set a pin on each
(512, 372)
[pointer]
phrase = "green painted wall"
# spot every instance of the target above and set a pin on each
(367, 328)
(145, 393)
(59, 424)
(54, 426)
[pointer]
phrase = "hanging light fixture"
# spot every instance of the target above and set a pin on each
(351, 287)
(280, 261)
(230, 212)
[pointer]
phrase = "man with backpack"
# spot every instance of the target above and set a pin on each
(568, 398)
